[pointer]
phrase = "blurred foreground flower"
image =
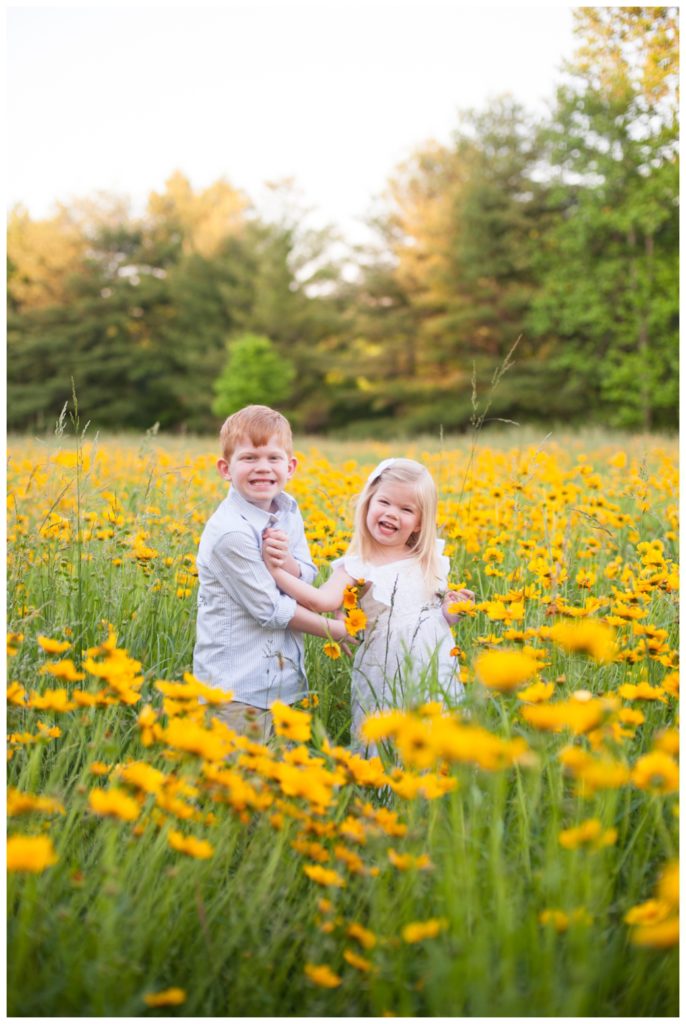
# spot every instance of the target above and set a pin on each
(505, 670)
(590, 637)
(30, 853)
(290, 723)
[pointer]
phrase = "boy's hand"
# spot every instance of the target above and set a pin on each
(276, 554)
(453, 599)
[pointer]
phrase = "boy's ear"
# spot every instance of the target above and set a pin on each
(223, 467)
(292, 465)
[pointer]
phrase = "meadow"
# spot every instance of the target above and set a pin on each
(513, 855)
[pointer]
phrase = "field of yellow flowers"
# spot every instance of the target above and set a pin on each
(516, 855)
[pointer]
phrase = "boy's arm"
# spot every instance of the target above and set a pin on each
(237, 564)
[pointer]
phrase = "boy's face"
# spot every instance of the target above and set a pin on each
(259, 473)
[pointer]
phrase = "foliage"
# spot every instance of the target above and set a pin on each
(561, 232)
(254, 374)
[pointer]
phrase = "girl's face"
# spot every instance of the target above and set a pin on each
(393, 514)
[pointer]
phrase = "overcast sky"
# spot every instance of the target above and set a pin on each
(331, 93)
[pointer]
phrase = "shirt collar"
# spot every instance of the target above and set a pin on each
(257, 516)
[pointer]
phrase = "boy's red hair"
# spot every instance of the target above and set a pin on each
(258, 423)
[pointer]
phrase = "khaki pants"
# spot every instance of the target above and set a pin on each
(244, 719)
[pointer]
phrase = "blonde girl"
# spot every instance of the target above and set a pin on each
(405, 656)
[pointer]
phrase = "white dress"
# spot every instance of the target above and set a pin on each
(404, 658)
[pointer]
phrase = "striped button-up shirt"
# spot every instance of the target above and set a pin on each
(243, 643)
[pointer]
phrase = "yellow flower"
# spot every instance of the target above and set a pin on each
(13, 641)
(51, 700)
(642, 691)
(588, 833)
(323, 876)
(350, 597)
(26, 803)
(650, 912)
(113, 803)
(504, 669)
(142, 776)
(360, 963)
(30, 853)
(657, 772)
(198, 848)
(355, 621)
(365, 938)
(536, 693)
(404, 861)
(65, 669)
(660, 935)
(332, 650)
(589, 637)
(293, 724)
(417, 931)
(53, 646)
(168, 997)
(322, 975)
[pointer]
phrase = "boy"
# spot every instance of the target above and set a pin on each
(249, 634)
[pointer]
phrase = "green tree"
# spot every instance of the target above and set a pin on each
(609, 262)
(254, 373)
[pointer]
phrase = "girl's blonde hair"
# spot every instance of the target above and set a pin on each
(422, 543)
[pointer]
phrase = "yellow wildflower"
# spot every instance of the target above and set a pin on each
(168, 997)
(657, 772)
(30, 853)
(53, 646)
(355, 621)
(65, 669)
(366, 938)
(360, 963)
(192, 847)
(290, 723)
(323, 876)
(588, 833)
(504, 669)
(589, 637)
(417, 931)
(536, 693)
(27, 803)
(322, 975)
(113, 803)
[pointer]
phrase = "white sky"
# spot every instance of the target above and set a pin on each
(332, 93)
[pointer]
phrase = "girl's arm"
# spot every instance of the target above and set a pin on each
(326, 598)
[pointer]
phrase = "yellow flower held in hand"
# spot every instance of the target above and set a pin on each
(30, 853)
(332, 650)
(355, 621)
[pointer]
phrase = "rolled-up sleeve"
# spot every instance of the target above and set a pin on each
(239, 568)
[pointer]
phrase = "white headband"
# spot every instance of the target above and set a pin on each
(375, 473)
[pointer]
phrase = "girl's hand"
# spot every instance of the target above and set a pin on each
(456, 597)
(275, 551)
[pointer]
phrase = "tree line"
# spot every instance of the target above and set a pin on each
(556, 236)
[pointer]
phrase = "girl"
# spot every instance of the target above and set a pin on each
(405, 656)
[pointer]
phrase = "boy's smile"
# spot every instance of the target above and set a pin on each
(258, 472)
